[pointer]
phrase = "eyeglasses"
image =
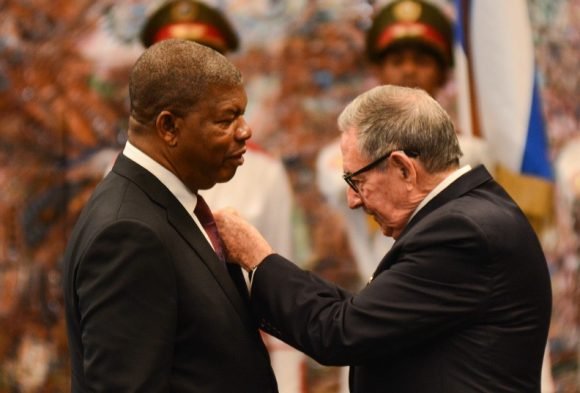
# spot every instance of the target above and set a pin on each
(348, 177)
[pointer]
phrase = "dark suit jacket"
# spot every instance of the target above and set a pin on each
(461, 303)
(149, 305)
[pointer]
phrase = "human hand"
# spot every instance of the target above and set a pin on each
(244, 244)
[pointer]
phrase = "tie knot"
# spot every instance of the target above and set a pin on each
(203, 212)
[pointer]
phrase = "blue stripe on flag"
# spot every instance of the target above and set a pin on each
(535, 160)
(459, 25)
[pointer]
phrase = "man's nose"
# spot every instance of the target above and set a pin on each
(353, 198)
(243, 131)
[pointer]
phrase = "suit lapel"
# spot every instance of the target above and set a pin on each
(184, 224)
(178, 217)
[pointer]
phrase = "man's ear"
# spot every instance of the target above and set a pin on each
(404, 166)
(167, 127)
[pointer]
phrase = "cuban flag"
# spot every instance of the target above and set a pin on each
(498, 95)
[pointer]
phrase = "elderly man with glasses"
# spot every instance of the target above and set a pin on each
(461, 303)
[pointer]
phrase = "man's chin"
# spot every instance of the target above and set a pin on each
(226, 176)
(387, 231)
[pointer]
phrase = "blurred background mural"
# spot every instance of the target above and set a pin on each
(63, 107)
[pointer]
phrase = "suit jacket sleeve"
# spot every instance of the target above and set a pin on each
(127, 305)
(433, 285)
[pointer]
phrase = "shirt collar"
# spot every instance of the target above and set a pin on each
(187, 198)
(441, 186)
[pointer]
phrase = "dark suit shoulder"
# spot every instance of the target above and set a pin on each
(117, 197)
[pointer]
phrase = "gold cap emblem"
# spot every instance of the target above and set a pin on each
(184, 10)
(407, 11)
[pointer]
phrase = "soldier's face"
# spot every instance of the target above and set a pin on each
(411, 67)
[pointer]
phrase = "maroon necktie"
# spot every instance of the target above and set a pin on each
(203, 214)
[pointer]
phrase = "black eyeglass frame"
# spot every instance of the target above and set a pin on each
(348, 176)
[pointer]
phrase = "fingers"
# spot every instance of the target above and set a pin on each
(244, 244)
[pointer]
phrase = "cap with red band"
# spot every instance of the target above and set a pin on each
(410, 22)
(190, 20)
